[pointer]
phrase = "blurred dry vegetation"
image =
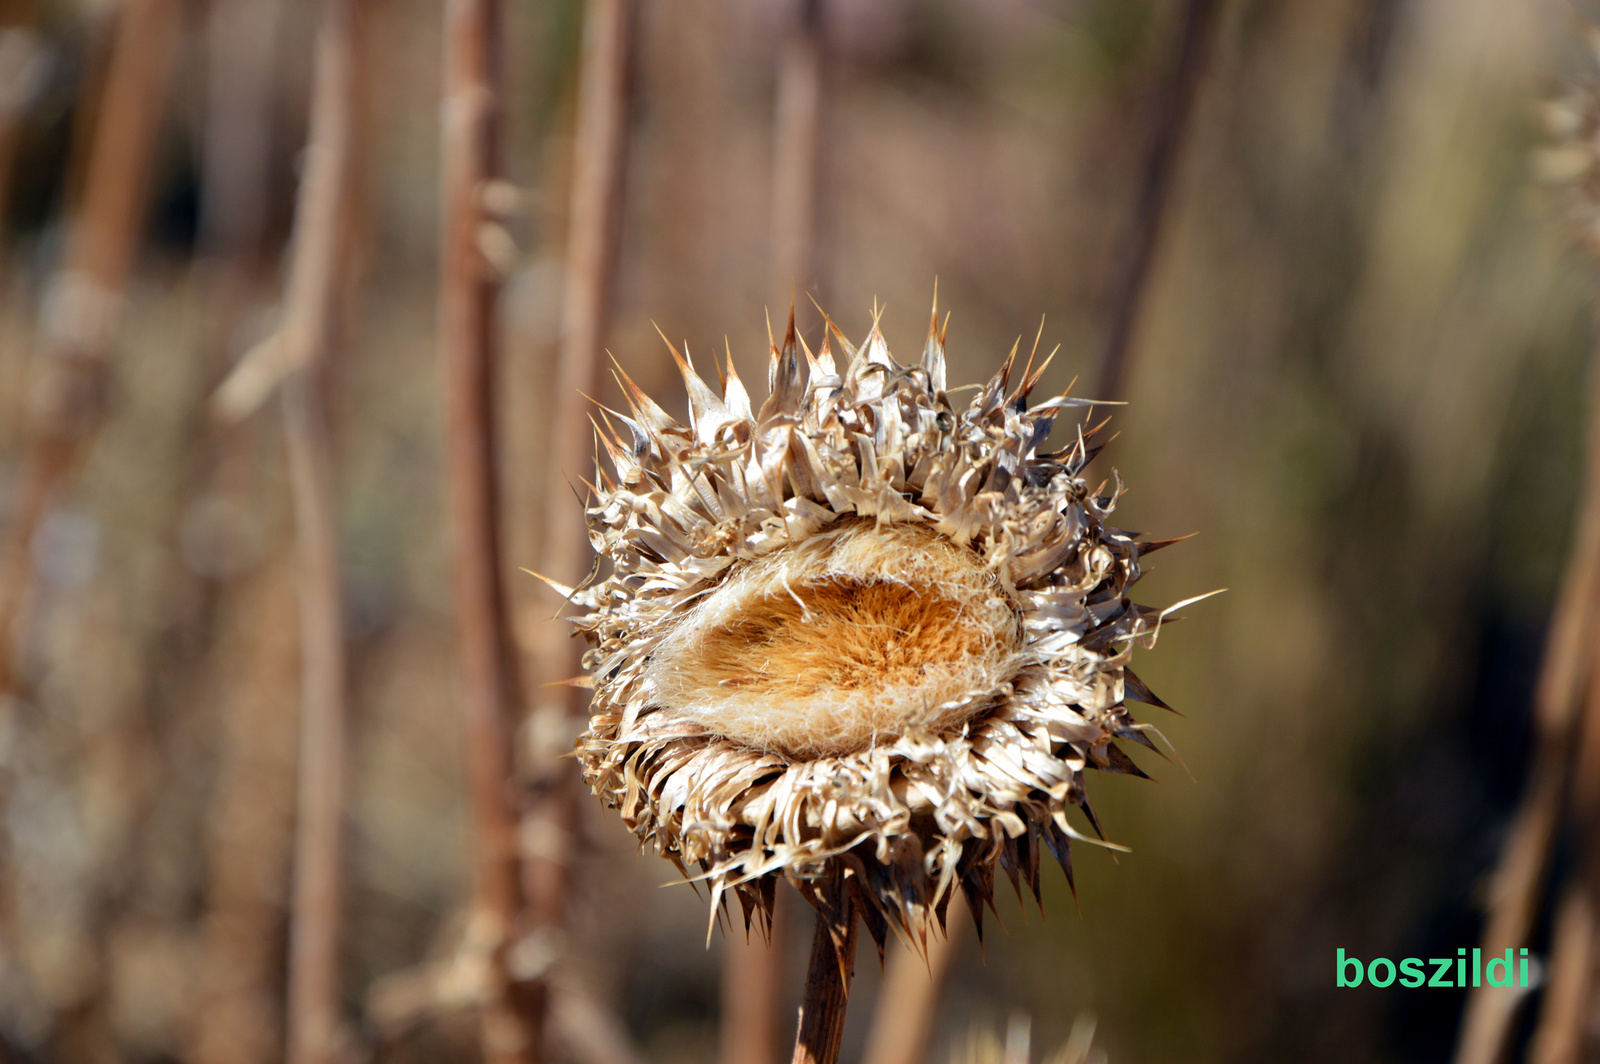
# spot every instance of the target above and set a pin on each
(1357, 373)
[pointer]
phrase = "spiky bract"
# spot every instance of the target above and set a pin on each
(976, 777)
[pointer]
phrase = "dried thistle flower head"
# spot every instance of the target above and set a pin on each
(856, 638)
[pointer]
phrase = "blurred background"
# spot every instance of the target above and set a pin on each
(1356, 367)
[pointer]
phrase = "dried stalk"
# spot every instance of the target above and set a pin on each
(512, 1011)
(312, 292)
(827, 991)
(1563, 1033)
(319, 836)
(902, 1024)
(1565, 672)
(797, 151)
(751, 980)
(1155, 191)
(236, 150)
(598, 162)
(22, 71)
(752, 989)
(1563, 1021)
(84, 296)
(249, 839)
(599, 157)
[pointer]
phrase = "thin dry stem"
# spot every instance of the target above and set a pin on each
(513, 1013)
(313, 290)
(319, 837)
(236, 145)
(752, 989)
(797, 151)
(599, 153)
(1519, 881)
(1563, 1034)
(250, 835)
(22, 71)
(84, 295)
(1560, 1036)
(827, 994)
(902, 1025)
(751, 981)
(1177, 100)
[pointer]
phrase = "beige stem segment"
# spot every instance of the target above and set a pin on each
(512, 1008)
(751, 990)
(827, 992)
(902, 1025)
(1519, 881)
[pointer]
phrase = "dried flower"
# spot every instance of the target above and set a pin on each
(857, 639)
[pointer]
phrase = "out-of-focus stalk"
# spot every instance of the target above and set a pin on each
(314, 922)
(902, 1024)
(512, 1009)
(1174, 107)
(81, 305)
(1567, 669)
(1563, 1034)
(599, 158)
(797, 150)
(312, 293)
(752, 984)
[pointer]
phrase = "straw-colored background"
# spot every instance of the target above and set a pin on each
(1358, 376)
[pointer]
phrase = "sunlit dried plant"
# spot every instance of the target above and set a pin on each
(857, 638)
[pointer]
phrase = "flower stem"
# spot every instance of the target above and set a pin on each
(827, 992)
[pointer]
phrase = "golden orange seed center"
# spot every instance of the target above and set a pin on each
(858, 635)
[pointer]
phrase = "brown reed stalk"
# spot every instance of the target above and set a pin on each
(312, 292)
(236, 149)
(71, 376)
(237, 1018)
(752, 989)
(1564, 674)
(1563, 1034)
(599, 156)
(751, 968)
(1564, 1016)
(315, 924)
(22, 70)
(512, 1009)
(902, 1023)
(827, 993)
(1170, 128)
(797, 148)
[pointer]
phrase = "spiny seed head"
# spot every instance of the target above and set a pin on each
(856, 638)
